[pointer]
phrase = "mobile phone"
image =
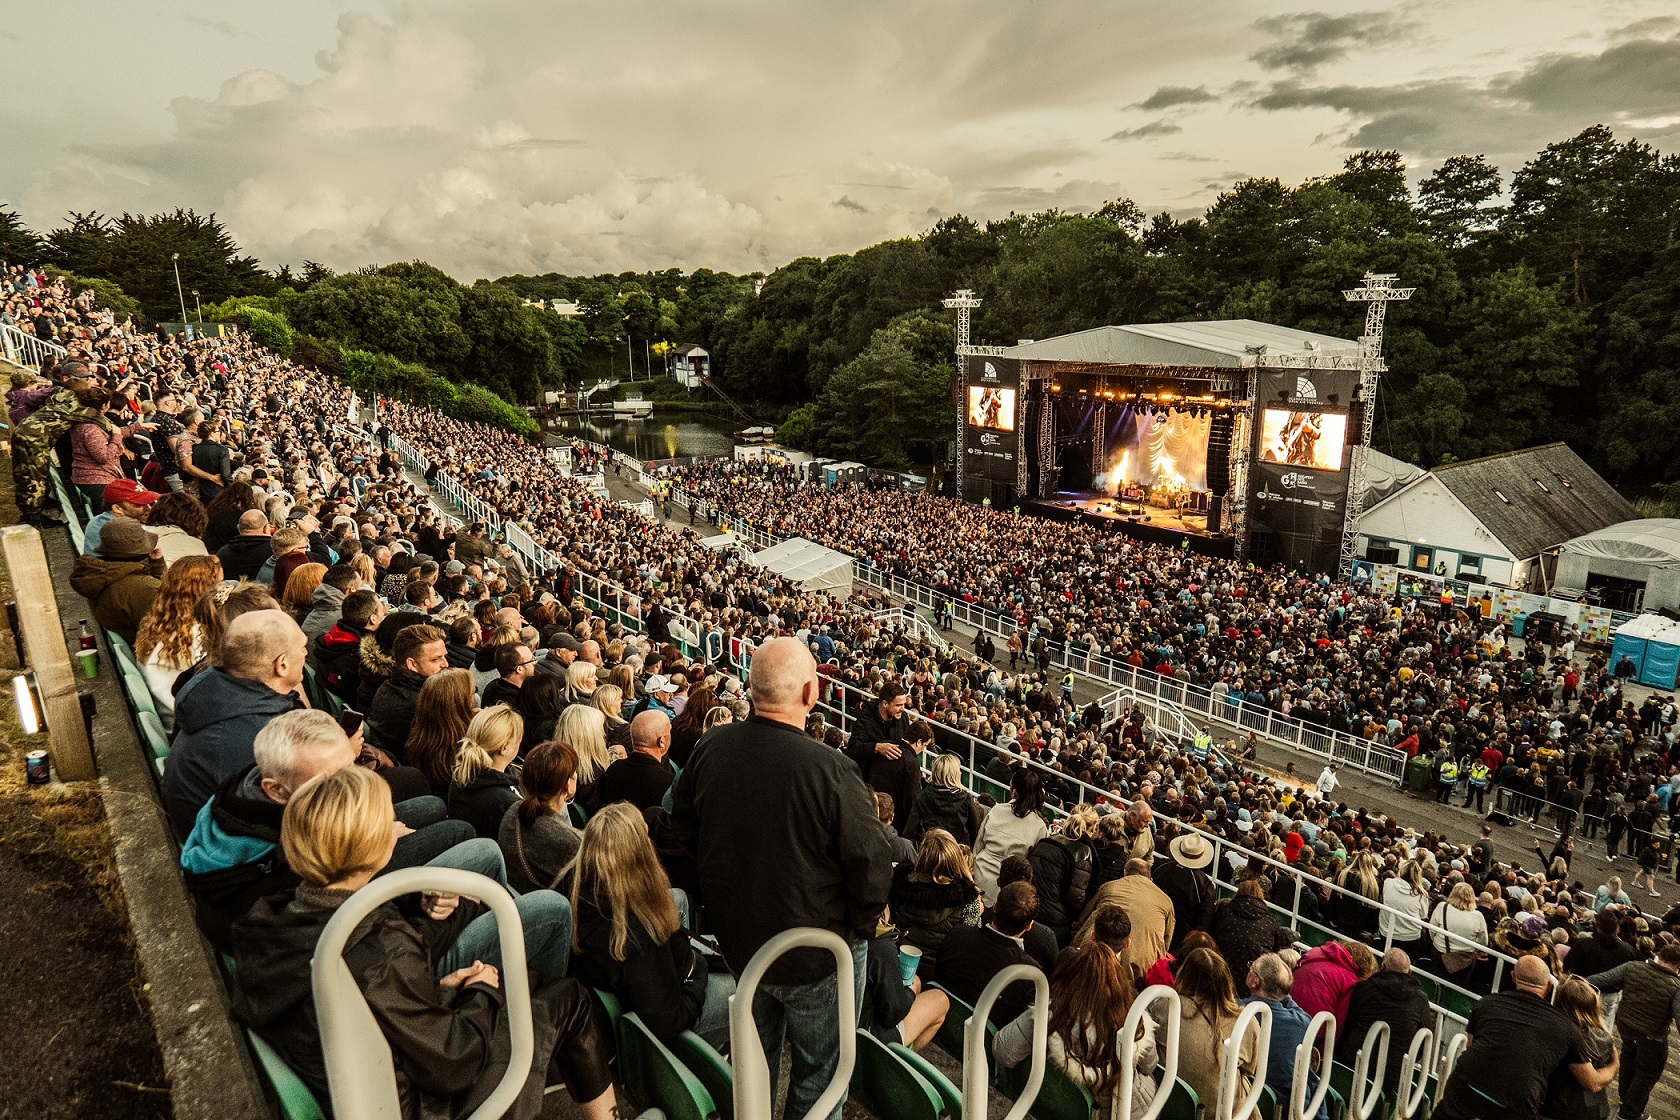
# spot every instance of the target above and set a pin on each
(351, 721)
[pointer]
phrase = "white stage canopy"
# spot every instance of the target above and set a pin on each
(808, 564)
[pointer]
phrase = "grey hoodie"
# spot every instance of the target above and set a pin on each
(324, 610)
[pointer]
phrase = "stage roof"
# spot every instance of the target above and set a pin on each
(1224, 343)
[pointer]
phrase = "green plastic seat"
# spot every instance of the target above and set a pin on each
(1268, 1108)
(652, 1071)
(887, 1087)
(949, 1093)
(293, 1096)
(710, 1067)
(1061, 1097)
(151, 729)
(1182, 1103)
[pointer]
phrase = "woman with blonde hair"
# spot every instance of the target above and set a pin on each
(584, 729)
(366, 570)
(431, 981)
(1466, 933)
(298, 599)
(581, 682)
(1565, 1098)
(445, 706)
(629, 938)
(170, 639)
(1610, 894)
(1407, 900)
(1353, 913)
(481, 789)
(608, 699)
(943, 803)
(719, 715)
(934, 894)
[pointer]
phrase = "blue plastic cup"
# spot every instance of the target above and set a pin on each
(909, 960)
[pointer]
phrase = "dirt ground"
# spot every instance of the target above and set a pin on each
(79, 1040)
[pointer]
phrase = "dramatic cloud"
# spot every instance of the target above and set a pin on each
(1168, 97)
(1309, 40)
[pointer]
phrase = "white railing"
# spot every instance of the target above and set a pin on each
(24, 349)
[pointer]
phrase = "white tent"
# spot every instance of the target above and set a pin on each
(808, 564)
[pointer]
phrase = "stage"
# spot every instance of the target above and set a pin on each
(1136, 519)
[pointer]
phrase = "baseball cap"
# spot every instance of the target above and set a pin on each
(660, 683)
(128, 490)
(454, 568)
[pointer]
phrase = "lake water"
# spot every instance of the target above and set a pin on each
(681, 434)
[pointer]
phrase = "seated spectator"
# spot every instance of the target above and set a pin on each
(170, 640)
(481, 790)
(1150, 910)
(1208, 1011)
(431, 982)
(1165, 970)
(687, 728)
(258, 675)
(585, 729)
(944, 803)
(179, 522)
(891, 1010)
(1244, 928)
(641, 777)
(1009, 828)
(934, 894)
(122, 498)
(224, 512)
(289, 548)
(1325, 978)
(232, 857)
(630, 940)
(902, 850)
(1269, 981)
(541, 700)
(971, 955)
(462, 643)
(536, 836)
(609, 701)
(326, 601)
(298, 598)
(122, 578)
(1064, 864)
(1392, 995)
(1040, 943)
(1185, 880)
(417, 652)
(1091, 993)
(337, 653)
(246, 554)
(514, 665)
(442, 712)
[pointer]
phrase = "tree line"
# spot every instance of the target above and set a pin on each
(1548, 303)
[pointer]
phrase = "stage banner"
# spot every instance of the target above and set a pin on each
(992, 412)
(1298, 480)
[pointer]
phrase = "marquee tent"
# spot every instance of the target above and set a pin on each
(808, 564)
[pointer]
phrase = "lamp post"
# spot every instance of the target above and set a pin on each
(175, 259)
(198, 307)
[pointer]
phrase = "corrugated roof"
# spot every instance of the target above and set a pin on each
(1537, 498)
(1227, 343)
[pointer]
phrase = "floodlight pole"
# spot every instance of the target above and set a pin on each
(1376, 291)
(963, 303)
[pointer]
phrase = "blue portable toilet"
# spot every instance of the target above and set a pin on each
(1662, 657)
(1632, 639)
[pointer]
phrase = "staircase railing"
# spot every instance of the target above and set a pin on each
(24, 349)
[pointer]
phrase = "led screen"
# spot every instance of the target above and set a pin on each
(1303, 439)
(991, 408)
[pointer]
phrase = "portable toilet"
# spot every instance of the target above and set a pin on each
(1631, 639)
(1662, 656)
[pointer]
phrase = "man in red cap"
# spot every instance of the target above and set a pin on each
(123, 498)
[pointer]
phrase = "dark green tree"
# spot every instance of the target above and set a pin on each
(18, 243)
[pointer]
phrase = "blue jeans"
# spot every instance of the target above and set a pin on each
(547, 919)
(471, 854)
(713, 1024)
(804, 1014)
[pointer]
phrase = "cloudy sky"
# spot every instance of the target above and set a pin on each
(491, 137)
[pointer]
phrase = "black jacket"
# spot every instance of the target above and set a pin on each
(785, 835)
(1386, 997)
(337, 658)
(1063, 873)
(243, 557)
(899, 777)
(499, 691)
(1598, 953)
(234, 858)
(663, 983)
(969, 959)
(1193, 896)
(1244, 930)
(484, 801)
(926, 912)
(954, 810)
(886, 999)
(392, 712)
(638, 778)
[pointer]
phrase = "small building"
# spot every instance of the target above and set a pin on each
(690, 365)
(1498, 520)
(1628, 567)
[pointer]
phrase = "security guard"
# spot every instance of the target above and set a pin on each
(1447, 781)
(1204, 744)
(1477, 791)
(1067, 687)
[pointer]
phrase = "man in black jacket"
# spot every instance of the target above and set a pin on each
(244, 556)
(1391, 995)
(888, 759)
(643, 776)
(971, 955)
(785, 835)
(337, 654)
(1185, 881)
(420, 652)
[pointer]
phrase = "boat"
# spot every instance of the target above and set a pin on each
(755, 435)
(632, 406)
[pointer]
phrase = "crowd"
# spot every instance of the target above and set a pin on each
(634, 793)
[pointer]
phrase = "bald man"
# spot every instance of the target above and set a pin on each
(245, 555)
(1392, 995)
(785, 835)
(643, 776)
(1517, 1040)
(258, 676)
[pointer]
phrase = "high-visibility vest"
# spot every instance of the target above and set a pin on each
(1067, 682)
(1204, 743)
(1479, 775)
(1449, 773)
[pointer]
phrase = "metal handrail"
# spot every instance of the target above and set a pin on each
(1126, 1048)
(22, 348)
(1449, 1058)
(1363, 1104)
(754, 1095)
(1414, 1075)
(976, 1071)
(1299, 1108)
(360, 1074)
(1259, 1015)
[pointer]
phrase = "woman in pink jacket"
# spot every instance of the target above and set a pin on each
(97, 456)
(1325, 977)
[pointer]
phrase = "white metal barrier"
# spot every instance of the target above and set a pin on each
(1414, 1074)
(1324, 1023)
(1256, 1016)
(1362, 1102)
(24, 349)
(1126, 1051)
(754, 1095)
(977, 1060)
(360, 1073)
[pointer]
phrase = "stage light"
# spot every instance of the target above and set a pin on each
(1166, 396)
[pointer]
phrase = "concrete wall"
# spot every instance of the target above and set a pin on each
(1662, 585)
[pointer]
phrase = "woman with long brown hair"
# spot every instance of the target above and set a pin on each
(934, 894)
(1208, 1011)
(628, 937)
(223, 512)
(1565, 1099)
(170, 639)
(299, 596)
(445, 706)
(537, 837)
(689, 725)
(1091, 992)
